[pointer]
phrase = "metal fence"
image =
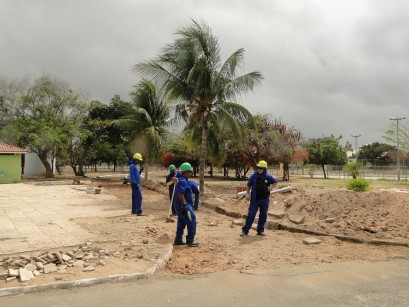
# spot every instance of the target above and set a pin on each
(334, 171)
(314, 171)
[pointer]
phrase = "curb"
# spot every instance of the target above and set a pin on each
(160, 263)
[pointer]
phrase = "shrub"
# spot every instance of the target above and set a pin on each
(358, 185)
(352, 169)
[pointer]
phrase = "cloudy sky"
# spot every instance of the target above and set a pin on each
(330, 66)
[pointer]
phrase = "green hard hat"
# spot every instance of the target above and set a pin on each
(186, 167)
(172, 167)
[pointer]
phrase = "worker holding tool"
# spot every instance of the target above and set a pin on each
(170, 182)
(196, 192)
(184, 207)
(135, 179)
(258, 192)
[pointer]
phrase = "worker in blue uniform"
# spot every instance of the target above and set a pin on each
(184, 207)
(135, 180)
(260, 184)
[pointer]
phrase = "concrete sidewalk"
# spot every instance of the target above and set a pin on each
(38, 214)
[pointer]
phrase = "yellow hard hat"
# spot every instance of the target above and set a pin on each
(262, 164)
(138, 156)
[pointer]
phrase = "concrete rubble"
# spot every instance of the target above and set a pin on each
(27, 267)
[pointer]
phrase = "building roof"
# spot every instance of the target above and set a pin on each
(4, 148)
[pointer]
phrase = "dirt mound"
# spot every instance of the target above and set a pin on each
(334, 211)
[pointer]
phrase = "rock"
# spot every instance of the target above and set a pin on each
(214, 223)
(370, 229)
(238, 222)
(277, 213)
(12, 272)
(65, 257)
(30, 267)
(39, 265)
(101, 262)
(88, 269)
(78, 263)
(36, 273)
(330, 220)
(311, 240)
(59, 257)
(145, 241)
(61, 271)
(297, 218)
(254, 226)
(58, 278)
(25, 275)
(8, 279)
(50, 267)
(384, 228)
(288, 203)
(25, 257)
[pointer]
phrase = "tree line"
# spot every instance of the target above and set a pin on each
(184, 109)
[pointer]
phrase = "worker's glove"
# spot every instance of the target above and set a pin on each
(248, 196)
(270, 188)
(184, 208)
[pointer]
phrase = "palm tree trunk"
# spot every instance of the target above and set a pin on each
(203, 153)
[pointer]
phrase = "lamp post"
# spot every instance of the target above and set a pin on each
(397, 119)
(356, 146)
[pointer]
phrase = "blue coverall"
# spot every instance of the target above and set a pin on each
(186, 218)
(256, 203)
(135, 179)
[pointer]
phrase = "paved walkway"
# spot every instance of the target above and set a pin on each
(38, 215)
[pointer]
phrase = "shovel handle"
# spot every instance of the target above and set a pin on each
(171, 201)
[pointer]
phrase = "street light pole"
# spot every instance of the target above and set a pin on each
(356, 146)
(397, 142)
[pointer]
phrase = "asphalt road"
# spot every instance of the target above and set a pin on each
(342, 284)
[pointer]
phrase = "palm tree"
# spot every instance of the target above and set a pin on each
(148, 122)
(192, 74)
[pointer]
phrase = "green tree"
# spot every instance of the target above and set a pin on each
(326, 150)
(191, 72)
(377, 153)
(147, 122)
(45, 115)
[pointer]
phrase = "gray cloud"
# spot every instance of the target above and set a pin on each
(330, 67)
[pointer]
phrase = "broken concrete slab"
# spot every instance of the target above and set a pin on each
(311, 240)
(25, 275)
(65, 257)
(78, 263)
(88, 269)
(13, 272)
(277, 213)
(59, 257)
(297, 218)
(50, 267)
(30, 267)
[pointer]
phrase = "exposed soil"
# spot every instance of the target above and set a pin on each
(138, 241)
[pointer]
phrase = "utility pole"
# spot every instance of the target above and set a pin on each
(356, 146)
(397, 142)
